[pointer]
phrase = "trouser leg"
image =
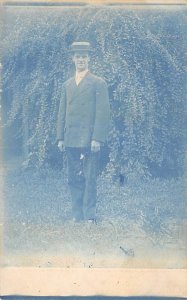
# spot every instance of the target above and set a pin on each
(76, 181)
(90, 167)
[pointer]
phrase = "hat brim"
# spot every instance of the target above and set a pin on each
(80, 50)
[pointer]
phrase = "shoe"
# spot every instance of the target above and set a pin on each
(92, 221)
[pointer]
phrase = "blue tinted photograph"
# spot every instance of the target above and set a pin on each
(93, 123)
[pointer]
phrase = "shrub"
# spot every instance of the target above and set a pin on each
(140, 53)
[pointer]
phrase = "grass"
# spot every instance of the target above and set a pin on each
(134, 221)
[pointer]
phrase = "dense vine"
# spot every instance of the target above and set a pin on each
(141, 56)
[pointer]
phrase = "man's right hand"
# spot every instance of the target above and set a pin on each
(61, 145)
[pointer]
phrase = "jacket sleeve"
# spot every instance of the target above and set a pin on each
(102, 112)
(61, 115)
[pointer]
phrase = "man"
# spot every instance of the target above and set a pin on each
(82, 128)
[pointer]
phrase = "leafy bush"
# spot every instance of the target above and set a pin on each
(140, 53)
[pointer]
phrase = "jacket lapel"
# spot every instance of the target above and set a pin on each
(76, 90)
(84, 84)
(72, 88)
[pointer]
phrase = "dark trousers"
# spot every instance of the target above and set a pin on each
(82, 175)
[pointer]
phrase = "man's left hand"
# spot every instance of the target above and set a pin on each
(95, 146)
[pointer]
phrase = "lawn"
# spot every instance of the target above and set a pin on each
(140, 224)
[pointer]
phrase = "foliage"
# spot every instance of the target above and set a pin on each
(140, 53)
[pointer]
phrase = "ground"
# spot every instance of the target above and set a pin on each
(141, 224)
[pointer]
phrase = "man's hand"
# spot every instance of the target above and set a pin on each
(61, 145)
(95, 146)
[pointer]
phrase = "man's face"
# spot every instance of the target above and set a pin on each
(81, 61)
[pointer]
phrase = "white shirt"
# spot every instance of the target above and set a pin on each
(79, 76)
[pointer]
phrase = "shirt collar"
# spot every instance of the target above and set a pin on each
(81, 74)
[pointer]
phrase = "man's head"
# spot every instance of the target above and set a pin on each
(81, 55)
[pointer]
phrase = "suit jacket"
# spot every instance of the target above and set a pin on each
(84, 112)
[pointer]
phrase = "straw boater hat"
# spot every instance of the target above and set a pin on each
(80, 47)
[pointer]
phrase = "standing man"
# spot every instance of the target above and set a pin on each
(82, 128)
